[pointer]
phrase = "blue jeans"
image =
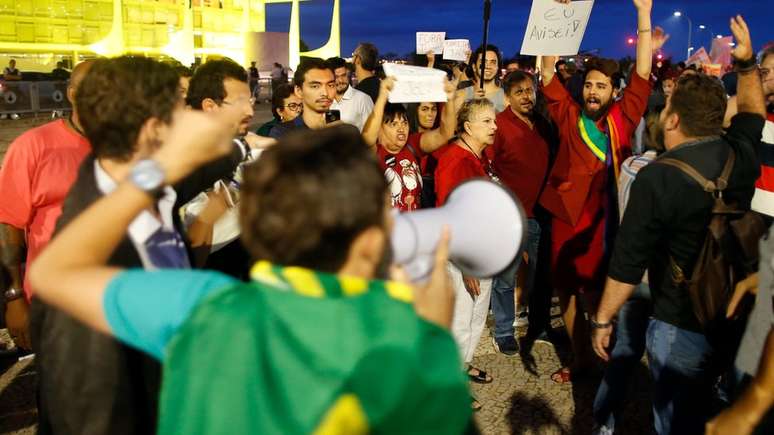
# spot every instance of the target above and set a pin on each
(628, 348)
(503, 284)
(683, 387)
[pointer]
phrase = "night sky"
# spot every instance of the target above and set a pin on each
(392, 24)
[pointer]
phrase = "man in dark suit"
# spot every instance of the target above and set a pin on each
(89, 383)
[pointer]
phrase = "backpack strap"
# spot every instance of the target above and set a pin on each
(718, 185)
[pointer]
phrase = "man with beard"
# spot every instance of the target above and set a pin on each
(355, 106)
(580, 190)
(492, 90)
(664, 228)
(315, 84)
(520, 154)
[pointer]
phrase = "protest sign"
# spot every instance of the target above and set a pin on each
(430, 41)
(720, 53)
(700, 57)
(456, 49)
(556, 29)
(415, 84)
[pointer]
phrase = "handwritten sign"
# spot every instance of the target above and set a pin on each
(556, 29)
(415, 84)
(456, 49)
(430, 41)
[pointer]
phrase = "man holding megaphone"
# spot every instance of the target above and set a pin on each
(315, 330)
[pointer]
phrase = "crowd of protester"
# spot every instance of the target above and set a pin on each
(175, 272)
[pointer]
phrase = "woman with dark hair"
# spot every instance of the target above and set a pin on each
(422, 117)
(285, 106)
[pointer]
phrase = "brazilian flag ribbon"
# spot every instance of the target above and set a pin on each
(599, 143)
(296, 351)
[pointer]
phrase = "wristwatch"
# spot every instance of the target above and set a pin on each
(148, 176)
(12, 294)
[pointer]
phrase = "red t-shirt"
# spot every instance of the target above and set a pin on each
(36, 175)
(455, 165)
(763, 201)
(403, 175)
(519, 156)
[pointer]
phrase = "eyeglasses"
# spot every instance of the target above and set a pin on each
(294, 106)
(251, 101)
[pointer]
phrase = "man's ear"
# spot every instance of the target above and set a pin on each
(366, 252)
(209, 105)
(149, 137)
(672, 122)
(298, 91)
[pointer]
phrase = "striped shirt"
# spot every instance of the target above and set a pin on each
(629, 170)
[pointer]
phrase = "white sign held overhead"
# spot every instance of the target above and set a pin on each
(415, 84)
(456, 49)
(556, 29)
(430, 41)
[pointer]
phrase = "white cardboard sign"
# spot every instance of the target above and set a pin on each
(556, 29)
(415, 84)
(456, 49)
(427, 41)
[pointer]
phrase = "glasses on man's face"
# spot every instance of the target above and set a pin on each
(294, 106)
(250, 101)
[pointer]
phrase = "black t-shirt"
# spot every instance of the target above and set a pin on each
(668, 213)
(370, 86)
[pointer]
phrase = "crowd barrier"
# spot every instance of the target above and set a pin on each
(33, 97)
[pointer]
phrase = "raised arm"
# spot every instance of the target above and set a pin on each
(440, 136)
(547, 69)
(71, 273)
(749, 91)
(644, 40)
(374, 122)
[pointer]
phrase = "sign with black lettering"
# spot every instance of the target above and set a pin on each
(556, 29)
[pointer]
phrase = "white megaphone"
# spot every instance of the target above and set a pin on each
(486, 223)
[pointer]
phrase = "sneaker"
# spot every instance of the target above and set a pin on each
(4, 116)
(14, 116)
(506, 345)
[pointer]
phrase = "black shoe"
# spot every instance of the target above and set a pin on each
(506, 345)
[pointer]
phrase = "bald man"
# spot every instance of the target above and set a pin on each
(36, 175)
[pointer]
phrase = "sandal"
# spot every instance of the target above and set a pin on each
(565, 375)
(475, 405)
(480, 377)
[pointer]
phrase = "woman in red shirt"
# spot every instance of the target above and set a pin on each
(399, 152)
(458, 162)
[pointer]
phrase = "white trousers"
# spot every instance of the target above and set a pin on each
(469, 314)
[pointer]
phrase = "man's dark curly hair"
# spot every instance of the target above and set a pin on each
(207, 81)
(607, 67)
(700, 101)
(307, 199)
(118, 96)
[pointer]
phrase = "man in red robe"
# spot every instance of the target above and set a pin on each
(579, 193)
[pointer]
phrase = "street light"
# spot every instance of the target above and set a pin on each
(719, 36)
(702, 26)
(690, 27)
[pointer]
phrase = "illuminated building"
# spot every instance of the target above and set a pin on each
(181, 29)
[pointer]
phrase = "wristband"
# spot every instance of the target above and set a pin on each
(596, 325)
(745, 65)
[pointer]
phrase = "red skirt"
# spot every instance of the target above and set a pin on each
(578, 258)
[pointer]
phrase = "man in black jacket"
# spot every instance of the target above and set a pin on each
(89, 383)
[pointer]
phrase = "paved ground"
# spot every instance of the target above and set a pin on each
(521, 400)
